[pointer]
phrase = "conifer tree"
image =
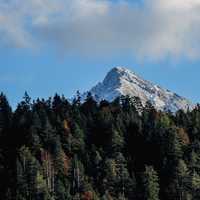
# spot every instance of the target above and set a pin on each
(182, 180)
(151, 184)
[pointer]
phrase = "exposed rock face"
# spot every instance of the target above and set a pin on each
(121, 81)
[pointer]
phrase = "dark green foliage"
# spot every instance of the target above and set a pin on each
(150, 184)
(56, 150)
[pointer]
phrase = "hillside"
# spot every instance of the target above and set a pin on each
(54, 150)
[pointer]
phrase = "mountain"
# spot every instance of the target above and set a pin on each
(121, 81)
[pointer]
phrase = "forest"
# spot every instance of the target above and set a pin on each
(54, 149)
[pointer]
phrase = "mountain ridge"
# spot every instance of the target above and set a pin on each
(121, 81)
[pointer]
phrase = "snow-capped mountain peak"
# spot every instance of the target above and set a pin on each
(122, 81)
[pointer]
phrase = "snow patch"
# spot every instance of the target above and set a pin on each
(121, 81)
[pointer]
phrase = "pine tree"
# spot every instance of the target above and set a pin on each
(195, 185)
(125, 185)
(7, 149)
(151, 184)
(174, 146)
(42, 192)
(27, 171)
(182, 180)
(117, 142)
(78, 143)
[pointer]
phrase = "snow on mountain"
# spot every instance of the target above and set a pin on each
(121, 81)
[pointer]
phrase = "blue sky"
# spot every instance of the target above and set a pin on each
(44, 51)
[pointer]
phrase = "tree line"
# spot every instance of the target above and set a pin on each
(59, 150)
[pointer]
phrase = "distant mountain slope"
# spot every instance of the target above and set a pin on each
(121, 81)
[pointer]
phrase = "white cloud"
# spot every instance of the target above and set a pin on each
(155, 30)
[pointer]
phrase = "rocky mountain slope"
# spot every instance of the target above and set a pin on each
(121, 81)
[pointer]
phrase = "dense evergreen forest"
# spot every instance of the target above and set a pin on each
(56, 150)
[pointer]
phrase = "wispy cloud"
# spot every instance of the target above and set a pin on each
(154, 30)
